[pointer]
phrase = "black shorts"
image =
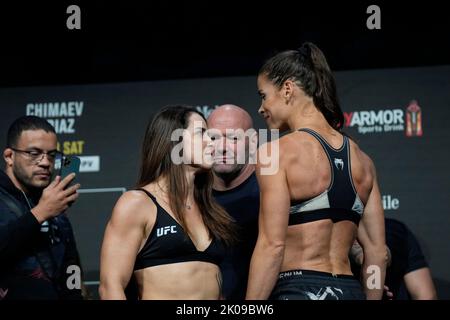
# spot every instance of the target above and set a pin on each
(316, 285)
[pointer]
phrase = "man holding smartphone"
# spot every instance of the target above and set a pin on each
(37, 244)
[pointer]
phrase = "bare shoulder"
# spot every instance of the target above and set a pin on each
(298, 147)
(294, 147)
(268, 161)
(300, 139)
(133, 207)
(267, 150)
(298, 143)
(273, 148)
(362, 157)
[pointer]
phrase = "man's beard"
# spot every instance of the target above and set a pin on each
(27, 181)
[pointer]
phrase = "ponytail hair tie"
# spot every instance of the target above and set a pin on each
(305, 51)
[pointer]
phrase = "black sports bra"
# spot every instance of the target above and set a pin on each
(340, 201)
(169, 243)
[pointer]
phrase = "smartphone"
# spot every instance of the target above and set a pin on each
(69, 164)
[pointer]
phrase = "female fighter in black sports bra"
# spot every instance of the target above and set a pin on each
(318, 201)
(169, 233)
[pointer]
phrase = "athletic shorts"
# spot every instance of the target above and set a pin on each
(316, 285)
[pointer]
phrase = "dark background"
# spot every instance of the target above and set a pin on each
(137, 40)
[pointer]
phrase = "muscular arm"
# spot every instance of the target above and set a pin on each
(357, 256)
(371, 236)
(273, 222)
(420, 284)
(123, 237)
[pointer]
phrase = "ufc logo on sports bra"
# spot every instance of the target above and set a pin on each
(165, 230)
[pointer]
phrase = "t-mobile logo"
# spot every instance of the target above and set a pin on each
(165, 230)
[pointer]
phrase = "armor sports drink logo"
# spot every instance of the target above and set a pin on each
(387, 120)
(376, 121)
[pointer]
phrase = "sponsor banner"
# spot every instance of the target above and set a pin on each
(387, 120)
(399, 117)
(90, 164)
(390, 202)
(61, 115)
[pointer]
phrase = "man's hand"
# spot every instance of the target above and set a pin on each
(55, 198)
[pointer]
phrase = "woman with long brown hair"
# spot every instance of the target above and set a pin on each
(169, 233)
(318, 201)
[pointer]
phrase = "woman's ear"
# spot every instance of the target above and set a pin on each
(288, 90)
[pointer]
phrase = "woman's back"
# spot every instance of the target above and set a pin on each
(323, 224)
(323, 196)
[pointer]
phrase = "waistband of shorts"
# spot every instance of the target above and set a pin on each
(301, 272)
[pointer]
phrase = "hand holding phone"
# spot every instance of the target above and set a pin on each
(69, 164)
(61, 192)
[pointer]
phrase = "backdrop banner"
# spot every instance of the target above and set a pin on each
(397, 116)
